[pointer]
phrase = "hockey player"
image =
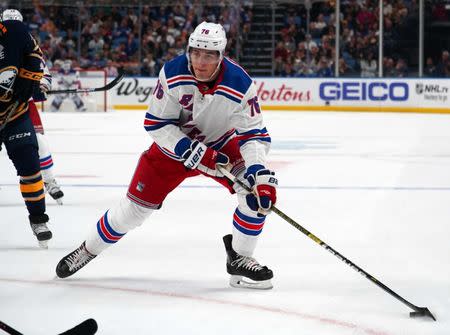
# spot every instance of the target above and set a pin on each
(68, 78)
(20, 74)
(45, 156)
(204, 113)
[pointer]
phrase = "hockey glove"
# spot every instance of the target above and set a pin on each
(46, 83)
(204, 159)
(24, 88)
(264, 184)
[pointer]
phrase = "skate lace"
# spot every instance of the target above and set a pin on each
(39, 228)
(52, 187)
(78, 259)
(247, 262)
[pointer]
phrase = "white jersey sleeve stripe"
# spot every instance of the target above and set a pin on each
(152, 122)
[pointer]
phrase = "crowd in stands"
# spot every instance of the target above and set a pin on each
(141, 42)
(311, 53)
(112, 37)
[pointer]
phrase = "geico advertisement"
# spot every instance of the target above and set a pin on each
(376, 91)
(137, 91)
(385, 92)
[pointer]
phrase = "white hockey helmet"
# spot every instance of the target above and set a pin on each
(11, 14)
(208, 36)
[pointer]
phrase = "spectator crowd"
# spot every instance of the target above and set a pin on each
(142, 39)
(97, 37)
(303, 52)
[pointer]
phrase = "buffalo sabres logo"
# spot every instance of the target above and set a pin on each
(7, 77)
(2, 52)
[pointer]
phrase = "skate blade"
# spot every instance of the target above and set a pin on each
(43, 244)
(243, 282)
(59, 201)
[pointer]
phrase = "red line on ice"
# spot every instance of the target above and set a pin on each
(325, 320)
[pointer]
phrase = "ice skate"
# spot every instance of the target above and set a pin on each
(40, 230)
(54, 190)
(245, 271)
(74, 261)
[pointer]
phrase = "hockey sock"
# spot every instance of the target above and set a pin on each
(32, 188)
(114, 224)
(45, 158)
(246, 229)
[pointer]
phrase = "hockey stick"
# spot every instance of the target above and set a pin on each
(418, 311)
(88, 90)
(8, 329)
(87, 327)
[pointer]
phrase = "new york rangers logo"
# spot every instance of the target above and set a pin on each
(140, 186)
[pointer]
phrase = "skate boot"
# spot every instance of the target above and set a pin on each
(74, 261)
(245, 271)
(40, 230)
(54, 190)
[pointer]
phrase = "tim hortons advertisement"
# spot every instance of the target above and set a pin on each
(314, 94)
(134, 93)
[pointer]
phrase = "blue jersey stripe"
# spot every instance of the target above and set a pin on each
(228, 96)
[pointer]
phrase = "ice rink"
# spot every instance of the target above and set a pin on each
(376, 187)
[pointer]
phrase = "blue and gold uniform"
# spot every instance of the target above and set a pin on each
(20, 73)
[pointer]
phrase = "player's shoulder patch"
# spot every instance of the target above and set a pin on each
(8, 75)
(177, 72)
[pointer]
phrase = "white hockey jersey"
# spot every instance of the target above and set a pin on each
(68, 79)
(182, 109)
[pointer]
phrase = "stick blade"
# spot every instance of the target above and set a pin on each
(422, 312)
(87, 327)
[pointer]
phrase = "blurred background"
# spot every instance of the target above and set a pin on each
(268, 38)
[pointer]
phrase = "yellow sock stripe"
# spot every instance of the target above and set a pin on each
(34, 187)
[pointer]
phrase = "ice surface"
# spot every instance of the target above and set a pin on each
(376, 187)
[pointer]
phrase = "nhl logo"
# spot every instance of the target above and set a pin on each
(140, 186)
(419, 88)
